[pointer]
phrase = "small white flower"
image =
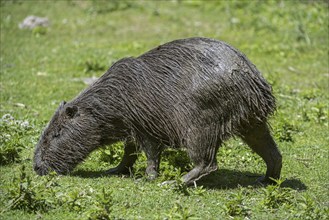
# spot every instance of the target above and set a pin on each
(25, 124)
(7, 118)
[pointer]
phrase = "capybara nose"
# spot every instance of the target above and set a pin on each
(36, 168)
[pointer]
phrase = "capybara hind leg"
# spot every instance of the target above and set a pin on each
(128, 160)
(261, 141)
(204, 159)
(198, 172)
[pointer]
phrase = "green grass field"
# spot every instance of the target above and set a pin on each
(286, 40)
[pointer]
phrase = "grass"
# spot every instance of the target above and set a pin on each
(288, 42)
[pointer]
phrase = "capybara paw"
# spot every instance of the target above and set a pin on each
(168, 182)
(152, 175)
(264, 181)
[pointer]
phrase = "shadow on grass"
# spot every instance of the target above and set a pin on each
(230, 179)
(221, 179)
(294, 184)
(93, 174)
(89, 174)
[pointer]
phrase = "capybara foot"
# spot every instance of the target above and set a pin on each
(151, 173)
(264, 181)
(197, 173)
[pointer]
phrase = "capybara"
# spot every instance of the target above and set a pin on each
(190, 93)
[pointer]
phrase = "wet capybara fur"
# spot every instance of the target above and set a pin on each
(191, 93)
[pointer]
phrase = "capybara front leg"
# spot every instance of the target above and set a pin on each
(128, 160)
(261, 141)
(153, 165)
(153, 152)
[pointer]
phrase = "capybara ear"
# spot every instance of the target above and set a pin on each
(71, 111)
(61, 105)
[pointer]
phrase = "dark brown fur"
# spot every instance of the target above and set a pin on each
(191, 93)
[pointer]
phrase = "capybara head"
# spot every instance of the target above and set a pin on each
(67, 140)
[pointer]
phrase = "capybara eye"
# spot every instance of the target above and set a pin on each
(57, 134)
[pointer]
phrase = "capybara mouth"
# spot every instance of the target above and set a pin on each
(45, 170)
